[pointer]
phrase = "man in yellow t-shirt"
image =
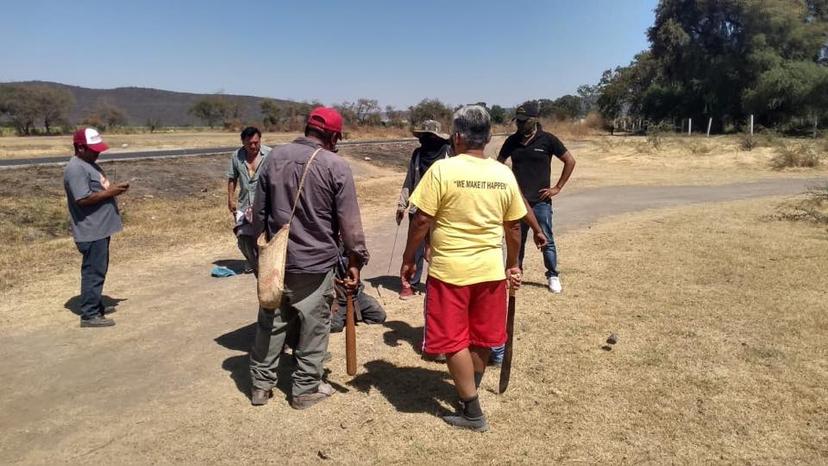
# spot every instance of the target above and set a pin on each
(467, 202)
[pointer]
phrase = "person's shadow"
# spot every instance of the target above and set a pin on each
(402, 331)
(239, 366)
(408, 389)
(388, 282)
(73, 304)
(534, 285)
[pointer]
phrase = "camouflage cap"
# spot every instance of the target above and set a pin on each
(430, 126)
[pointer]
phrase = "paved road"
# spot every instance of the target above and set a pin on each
(160, 154)
(579, 209)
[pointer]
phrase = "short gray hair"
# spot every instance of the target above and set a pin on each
(474, 124)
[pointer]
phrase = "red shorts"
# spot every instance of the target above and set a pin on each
(457, 317)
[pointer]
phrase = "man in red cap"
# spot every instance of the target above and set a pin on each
(326, 210)
(95, 218)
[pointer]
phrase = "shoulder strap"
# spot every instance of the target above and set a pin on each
(301, 184)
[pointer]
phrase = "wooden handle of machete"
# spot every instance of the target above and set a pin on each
(350, 336)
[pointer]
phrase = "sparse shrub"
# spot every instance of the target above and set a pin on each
(657, 134)
(812, 209)
(697, 147)
(748, 142)
(797, 155)
(594, 120)
(655, 139)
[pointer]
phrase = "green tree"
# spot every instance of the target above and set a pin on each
(498, 114)
(24, 106)
(53, 105)
(272, 113)
(430, 109)
(719, 58)
(106, 116)
(212, 110)
(367, 111)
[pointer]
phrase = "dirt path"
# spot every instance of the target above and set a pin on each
(167, 383)
(581, 208)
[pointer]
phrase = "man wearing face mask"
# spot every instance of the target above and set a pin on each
(531, 149)
(434, 146)
(326, 211)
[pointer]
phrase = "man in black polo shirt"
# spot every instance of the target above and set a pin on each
(531, 149)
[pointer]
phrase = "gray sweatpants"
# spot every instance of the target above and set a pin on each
(306, 312)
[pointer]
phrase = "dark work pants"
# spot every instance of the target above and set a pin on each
(305, 313)
(250, 250)
(93, 274)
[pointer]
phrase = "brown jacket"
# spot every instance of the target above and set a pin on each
(327, 209)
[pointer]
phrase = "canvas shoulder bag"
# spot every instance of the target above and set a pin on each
(273, 254)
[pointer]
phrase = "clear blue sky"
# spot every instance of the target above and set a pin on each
(501, 52)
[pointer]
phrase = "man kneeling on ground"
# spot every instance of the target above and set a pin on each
(366, 308)
(467, 202)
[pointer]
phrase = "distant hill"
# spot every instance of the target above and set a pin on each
(140, 104)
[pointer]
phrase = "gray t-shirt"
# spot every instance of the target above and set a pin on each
(93, 222)
(247, 182)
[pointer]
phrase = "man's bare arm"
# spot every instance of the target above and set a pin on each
(511, 231)
(417, 230)
(569, 166)
(537, 234)
(100, 196)
(231, 193)
(512, 234)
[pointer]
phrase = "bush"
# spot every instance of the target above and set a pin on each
(796, 156)
(748, 142)
(812, 209)
(698, 147)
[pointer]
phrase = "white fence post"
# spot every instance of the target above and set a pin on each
(709, 125)
(751, 124)
(689, 126)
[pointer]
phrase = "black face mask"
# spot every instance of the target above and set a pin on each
(430, 142)
(525, 127)
(430, 150)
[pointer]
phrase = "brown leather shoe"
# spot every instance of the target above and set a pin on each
(307, 400)
(259, 397)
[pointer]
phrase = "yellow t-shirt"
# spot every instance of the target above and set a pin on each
(469, 198)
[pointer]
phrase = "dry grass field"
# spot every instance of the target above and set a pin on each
(722, 358)
(720, 308)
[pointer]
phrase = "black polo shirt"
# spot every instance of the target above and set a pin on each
(532, 163)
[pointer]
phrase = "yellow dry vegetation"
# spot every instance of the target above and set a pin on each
(720, 309)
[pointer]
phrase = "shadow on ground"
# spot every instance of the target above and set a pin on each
(408, 389)
(241, 339)
(236, 265)
(402, 331)
(388, 282)
(74, 303)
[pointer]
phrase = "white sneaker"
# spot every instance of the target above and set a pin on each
(555, 285)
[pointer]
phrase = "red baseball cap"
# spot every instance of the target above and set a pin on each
(91, 138)
(326, 119)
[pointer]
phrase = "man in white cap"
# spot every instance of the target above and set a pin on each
(95, 218)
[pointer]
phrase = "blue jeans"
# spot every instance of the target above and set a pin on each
(93, 274)
(496, 356)
(543, 212)
(419, 258)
